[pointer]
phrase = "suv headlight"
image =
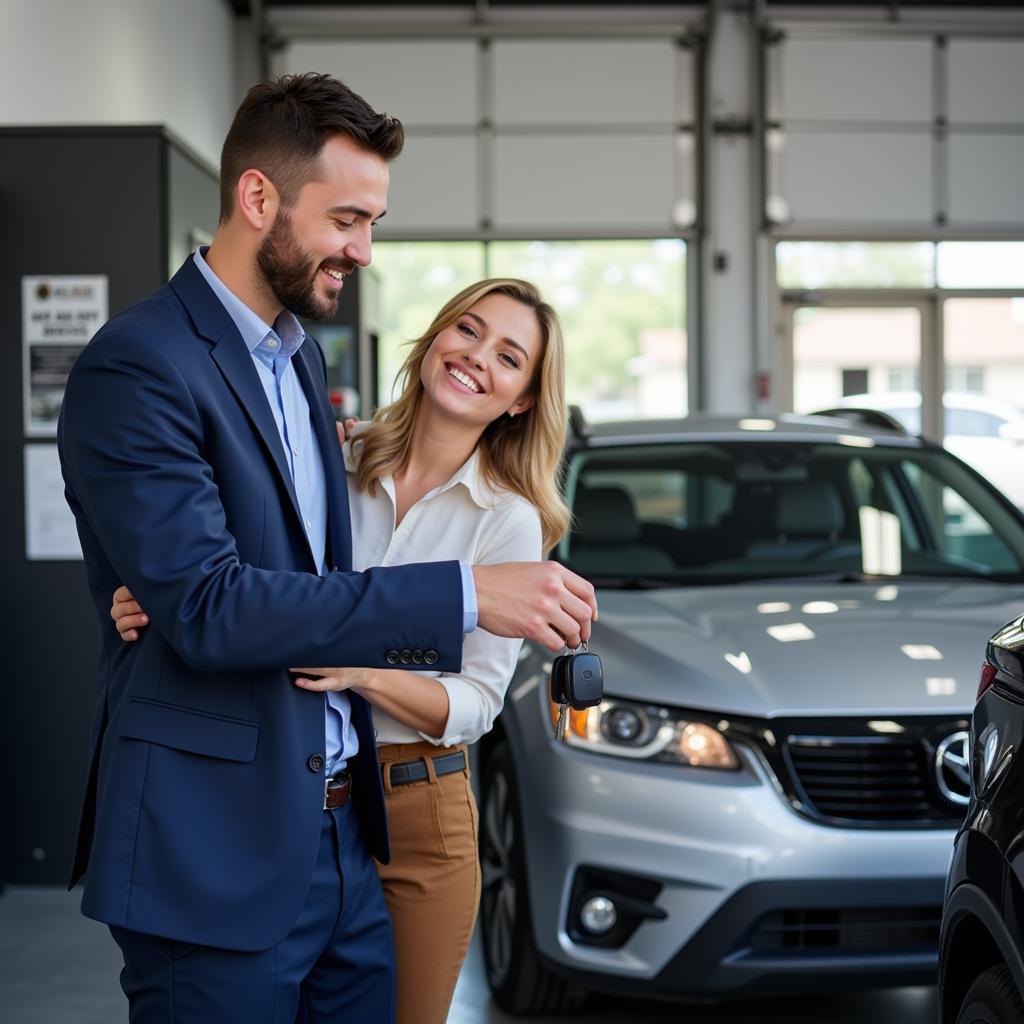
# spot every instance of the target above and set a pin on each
(625, 728)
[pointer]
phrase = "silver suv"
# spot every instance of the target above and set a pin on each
(791, 614)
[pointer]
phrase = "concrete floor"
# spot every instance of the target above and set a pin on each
(57, 967)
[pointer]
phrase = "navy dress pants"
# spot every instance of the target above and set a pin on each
(336, 965)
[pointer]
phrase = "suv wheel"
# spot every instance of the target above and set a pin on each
(518, 980)
(992, 999)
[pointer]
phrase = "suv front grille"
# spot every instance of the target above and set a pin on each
(858, 772)
(847, 930)
(863, 778)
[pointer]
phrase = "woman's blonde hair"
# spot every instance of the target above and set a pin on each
(519, 453)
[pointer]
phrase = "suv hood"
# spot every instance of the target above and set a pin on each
(782, 648)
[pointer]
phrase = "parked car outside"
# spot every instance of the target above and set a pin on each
(766, 799)
(986, 433)
(982, 948)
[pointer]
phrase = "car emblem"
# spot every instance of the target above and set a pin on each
(953, 770)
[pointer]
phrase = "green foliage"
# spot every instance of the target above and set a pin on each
(417, 279)
(855, 264)
(607, 294)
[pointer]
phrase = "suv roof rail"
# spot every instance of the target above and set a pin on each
(578, 423)
(863, 416)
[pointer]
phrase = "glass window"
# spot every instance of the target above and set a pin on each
(855, 264)
(416, 280)
(981, 264)
(956, 530)
(884, 342)
(972, 423)
(733, 511)
(966, 378)
(855, 382)
(904, 378)
(658, 496)
(622, 305)
(984, 420)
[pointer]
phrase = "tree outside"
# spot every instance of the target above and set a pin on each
(416, 280)
(855, 264)
(622, 304)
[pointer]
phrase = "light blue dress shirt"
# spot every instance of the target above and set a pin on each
(271, 349)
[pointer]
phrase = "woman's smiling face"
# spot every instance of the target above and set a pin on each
(482, 365)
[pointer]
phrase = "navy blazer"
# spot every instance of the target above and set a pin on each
(201, 818)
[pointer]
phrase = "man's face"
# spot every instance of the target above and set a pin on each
(325, 235)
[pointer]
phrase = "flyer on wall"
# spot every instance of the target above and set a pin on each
(60, 313)
(50, 531)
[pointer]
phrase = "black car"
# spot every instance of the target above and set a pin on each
(981, 972)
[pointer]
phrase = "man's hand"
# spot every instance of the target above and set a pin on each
(540, 601)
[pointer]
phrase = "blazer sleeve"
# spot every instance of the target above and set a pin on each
(131, 442)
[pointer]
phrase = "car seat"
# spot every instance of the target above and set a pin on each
(808, 522)
(606, 541)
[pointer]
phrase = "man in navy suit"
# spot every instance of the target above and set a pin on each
(230, 816)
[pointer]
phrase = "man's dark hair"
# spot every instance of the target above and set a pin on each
(282, 126)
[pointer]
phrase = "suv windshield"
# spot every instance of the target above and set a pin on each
(674, 514)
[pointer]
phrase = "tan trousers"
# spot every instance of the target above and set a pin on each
(432, 885)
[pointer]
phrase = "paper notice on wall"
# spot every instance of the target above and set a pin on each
(49, 525)
(59, 316)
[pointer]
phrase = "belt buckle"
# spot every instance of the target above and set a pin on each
(327, 785)
(328, 779)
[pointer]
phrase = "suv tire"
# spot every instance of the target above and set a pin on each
(518, 980)
(992, 999)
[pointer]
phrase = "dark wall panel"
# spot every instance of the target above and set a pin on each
(72, 201)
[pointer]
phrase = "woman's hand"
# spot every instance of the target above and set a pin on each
(332, 678)
(127, 614)
(420, 702)
(345, 428)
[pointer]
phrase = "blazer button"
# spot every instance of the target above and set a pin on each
(406, 657)
(430, 657)
(391, 657)
(315, 763)
(417, 657)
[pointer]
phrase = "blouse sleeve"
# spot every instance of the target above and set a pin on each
(477, 693)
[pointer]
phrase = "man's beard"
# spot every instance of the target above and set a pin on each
(290, 272)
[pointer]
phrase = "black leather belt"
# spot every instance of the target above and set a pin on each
(416, 771)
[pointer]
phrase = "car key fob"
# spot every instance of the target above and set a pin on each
(577, 682)
(559, 667)
(584, 681)
(559, 690)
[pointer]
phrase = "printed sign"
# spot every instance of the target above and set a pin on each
(50, 531)
(59, 316)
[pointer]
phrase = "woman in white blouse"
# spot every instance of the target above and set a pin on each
(463, 466)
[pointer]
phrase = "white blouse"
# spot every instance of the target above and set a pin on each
(465, 520)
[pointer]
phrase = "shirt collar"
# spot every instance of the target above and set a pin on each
(253, 329)
(469, 475)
